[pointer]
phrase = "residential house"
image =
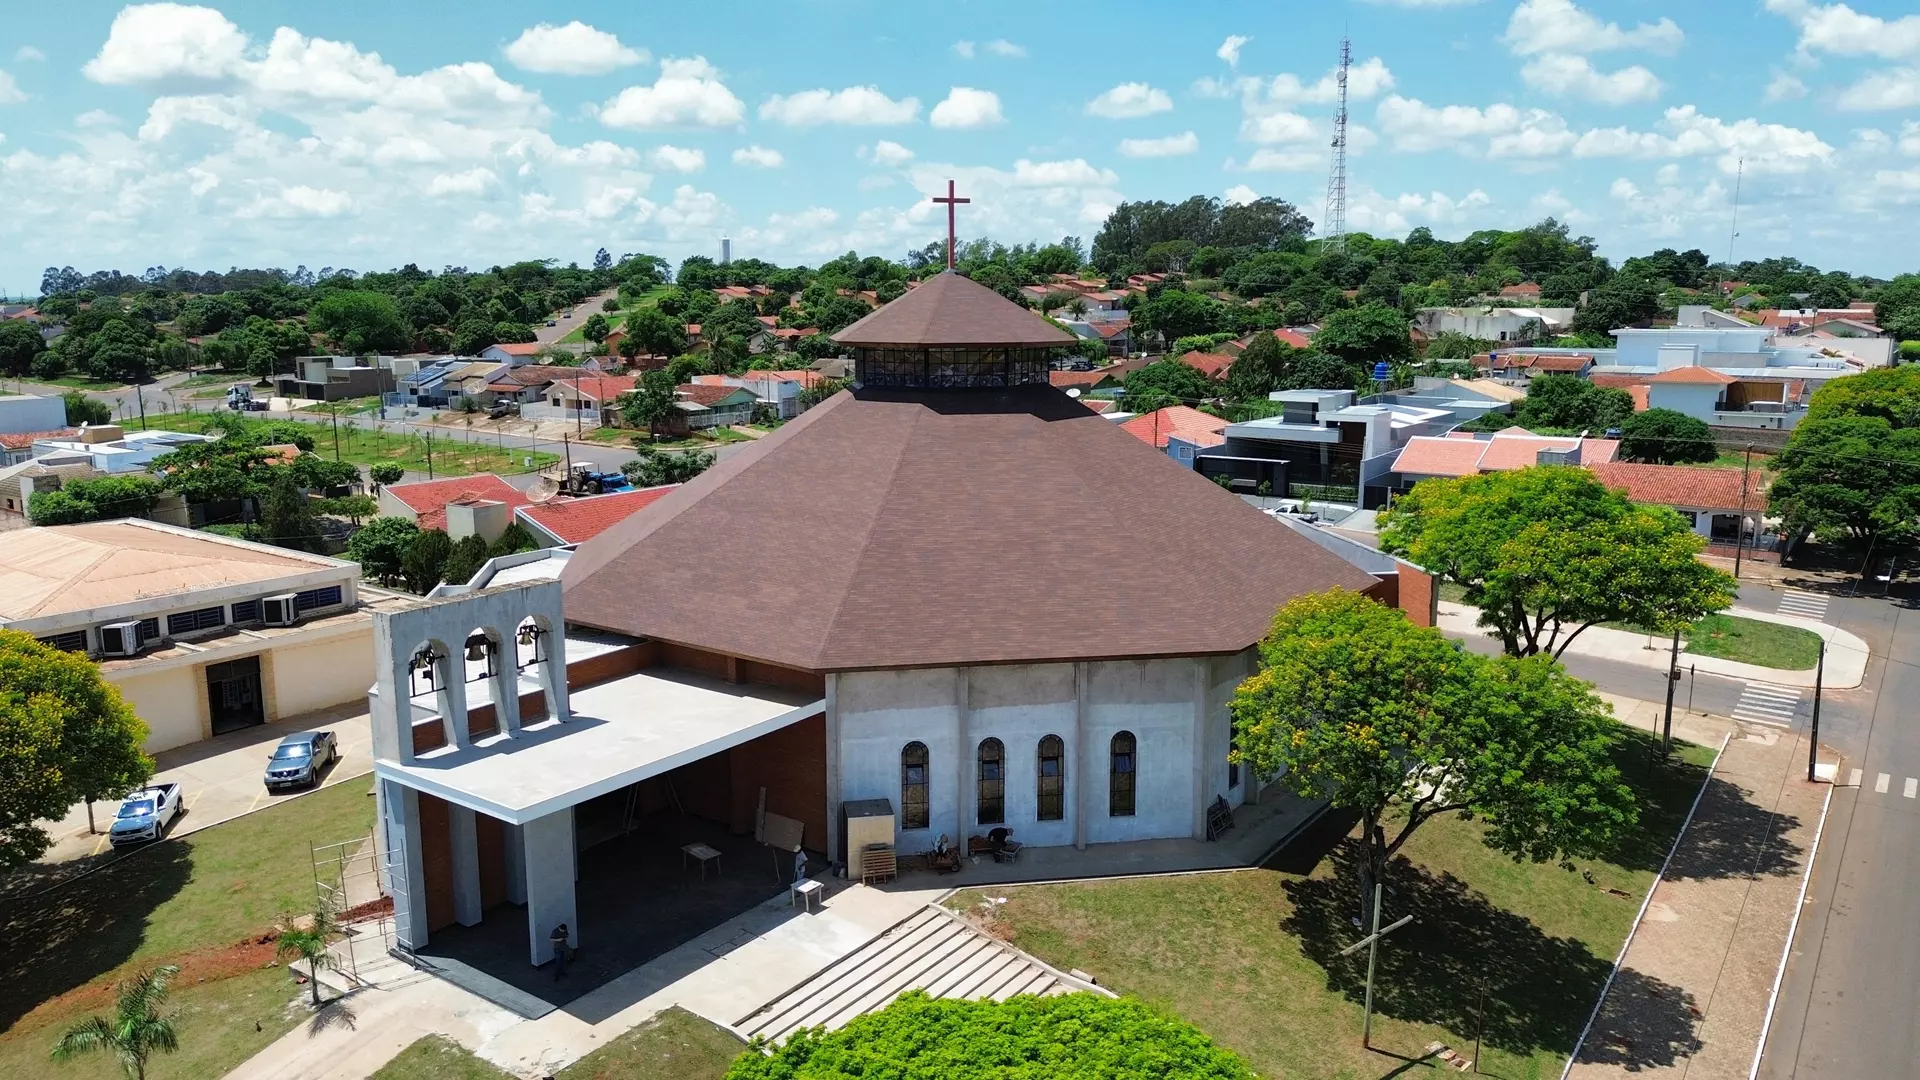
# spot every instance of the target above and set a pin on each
(111, 449)
(1180, 430)
(1524, 293)
(527, 385)
(1714, 501)
(21, 413)
(515, 353)
(17, 446)
(427, 382)
(449, 504)
(583, 400)
(1335, 439)
(1465, 454)
(1213, 365)
(1516, 324)
(1086, 382)
(561, 522)
(779, 391)
(201, 634)
(333, 378)
(699, 407)
(20, 480)
(1701, 315)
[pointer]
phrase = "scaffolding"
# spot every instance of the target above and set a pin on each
(350, 879)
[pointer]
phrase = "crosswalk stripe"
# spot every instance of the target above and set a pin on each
(1773, 705)
(1853, 778)
(1880, 784)
(1803, 604)
(1911, 790)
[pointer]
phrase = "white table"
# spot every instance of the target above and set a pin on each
(806, 892)
(703, 853)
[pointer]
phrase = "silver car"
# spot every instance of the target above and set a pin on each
(299, 759)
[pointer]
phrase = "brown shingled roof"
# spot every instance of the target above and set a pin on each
(954, 311)
(941, 547)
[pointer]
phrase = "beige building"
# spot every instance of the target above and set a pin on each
(202, 634)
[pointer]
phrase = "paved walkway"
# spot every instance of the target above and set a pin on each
(1846, 652)
(1694, 987)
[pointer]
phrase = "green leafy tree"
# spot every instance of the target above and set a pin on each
(1354, 704)
(386, 473)
(1547, 551)
(1366, 335)
(66, 736)
(82, 409)
(359, 321)
(1892, 394)
(1322, 371)
(308, 939)
(1178, 313)
(1166, 382)
(1264, 366)
(468, 556)
(1666, 437)
(1064, 1037)
(286, 515)
(651, 403)
(654, 468)
(595, 329)
(380, 547)
(135, 1031)
(1454, 345)
(1571, 403)
(1621, 302)
(20, 343)
(1849, 478)
(100, 499)
(425, 563)
(512, 540)
(1897, 308)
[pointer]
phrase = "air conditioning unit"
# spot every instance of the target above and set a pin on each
(120, 639)
(277, 610)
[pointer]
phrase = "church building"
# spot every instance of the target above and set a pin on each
(950, 587)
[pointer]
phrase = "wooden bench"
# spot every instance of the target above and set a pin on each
(877, 863)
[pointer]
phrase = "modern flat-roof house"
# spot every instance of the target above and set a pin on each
(200, 633)
(333, 378)
(685, 681)
(112, 449)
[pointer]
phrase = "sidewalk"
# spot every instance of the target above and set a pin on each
(1693, 989)
(1846, 652)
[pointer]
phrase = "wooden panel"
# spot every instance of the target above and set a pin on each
(491, 835)
(436, 861)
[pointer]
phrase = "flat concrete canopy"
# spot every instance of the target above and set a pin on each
(623, 731)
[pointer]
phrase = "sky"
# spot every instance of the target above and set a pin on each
(367, 135)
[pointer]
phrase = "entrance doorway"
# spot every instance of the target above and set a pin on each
(233, 694)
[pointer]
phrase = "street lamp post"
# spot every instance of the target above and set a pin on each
(1673, 676)
(1813, 742)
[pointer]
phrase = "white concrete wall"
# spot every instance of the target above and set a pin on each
(1696, 400)
(26, 412)
(324, 674)
(1175, 708)
(172, 701)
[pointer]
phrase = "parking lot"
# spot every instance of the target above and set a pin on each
(221, 778)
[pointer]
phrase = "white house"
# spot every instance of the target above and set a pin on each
(112, 449)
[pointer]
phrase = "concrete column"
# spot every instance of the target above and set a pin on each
(506, 690)
(963, 768)
(452, 698)
(516, 860)
(1202, 746)
(832, 723)
(1078, 776)
(547, 845)
(406, 880)
(463, 834)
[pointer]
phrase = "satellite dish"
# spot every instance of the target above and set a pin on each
(1073, 391)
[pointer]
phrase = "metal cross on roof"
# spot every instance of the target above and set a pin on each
(951, 200)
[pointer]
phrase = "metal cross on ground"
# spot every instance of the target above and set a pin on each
(951, 200)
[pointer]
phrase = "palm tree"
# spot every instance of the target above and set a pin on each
(1078, 309)
(310, 945)
(136, 1029)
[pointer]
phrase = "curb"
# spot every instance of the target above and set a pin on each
(1793, 931)
(1647, 901)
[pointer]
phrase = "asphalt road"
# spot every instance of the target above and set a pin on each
(1850, 999)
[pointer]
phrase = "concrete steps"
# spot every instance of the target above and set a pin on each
(933, 950)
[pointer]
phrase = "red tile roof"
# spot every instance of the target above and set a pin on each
(606, 387)
(428, 499)
(1562, 363)
(1102, 406)
(1426, 455)
(1086, 380)
(1697, 376)
(576, 521)
(21, 440)
(1678, 485)
(1525, 288)
(1638, 392)
(1617, 382)
(1212, 365)
(1183, 420)
(1598, 451)
(1506, 451)
(518, 348)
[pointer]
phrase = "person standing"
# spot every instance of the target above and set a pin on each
(559, 939)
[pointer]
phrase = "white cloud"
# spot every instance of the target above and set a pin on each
(156, 41)
(966, 107)
(678, 159)
(1785, 87)
(1229, 51)
(1895, 88)
(26, 53)
(1001, 47)
(1240, 194)
(1376, 213)
(1365, 80)
(856, 105)
(1423, 3)
(10, 92)
(691, 212)
(299, 201)
(758, 157)
(1766, 148)
(573, 49)
(1074, 173)
(167, 114)
(1668, 173)
(1416, 127)
(1277, 127)
(1129, 100)
(1842, 31)
(688, 93)
(1167, 146)
(94, 118)
(963, 49)
(1575, 76)
(887, 153)
(471, 182)
(1910, 138)
(1268, 159)
(1559, 26)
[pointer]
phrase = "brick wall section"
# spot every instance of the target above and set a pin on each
(1386, 590)
(791, 764)
(1419, 594)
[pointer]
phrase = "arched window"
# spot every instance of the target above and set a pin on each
(913, 786)
(993, 783)
(1120, 776)
(1052, 804)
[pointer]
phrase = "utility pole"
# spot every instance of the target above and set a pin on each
(429, 455)
(1371, 943)
(335, 413)
(1673, 676)
(1740, 531)
(137, 396)
(1813, 741)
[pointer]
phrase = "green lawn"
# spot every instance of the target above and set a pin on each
(1751, 641)
(1250, 957)
(205, 901)
(81, 382)
(362, 445)
(615, 319)
(1729, 459)
(675, 1045)
(221, 379)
